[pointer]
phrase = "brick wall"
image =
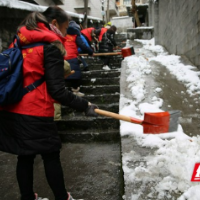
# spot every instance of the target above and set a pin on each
(177, 27)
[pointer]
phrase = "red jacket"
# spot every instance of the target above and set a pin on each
(103, 30)
(88, 33)
(71, 47)
(37, 102)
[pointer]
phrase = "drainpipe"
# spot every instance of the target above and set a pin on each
(108, 13)
(102, 9)
(156, 21)
(85, 13)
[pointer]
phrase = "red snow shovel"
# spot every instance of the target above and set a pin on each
(154, 123)
(126, 51)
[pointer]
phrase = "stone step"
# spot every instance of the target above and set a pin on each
(67, 111)
(98, 66)
(100, 81)
(103, 98)
(84, 123)
(120, 36)
(114, 60)
(90, 136)
(101, 73)
(100, 89)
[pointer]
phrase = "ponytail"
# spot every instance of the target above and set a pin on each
(32, 19)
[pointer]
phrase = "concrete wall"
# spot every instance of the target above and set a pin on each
(122, 23)
(144, 33)
(177, 27)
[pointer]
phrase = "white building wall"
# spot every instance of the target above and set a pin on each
(95, 7)
(45, 2)
(122, 23)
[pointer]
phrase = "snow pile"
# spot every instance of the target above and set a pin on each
(22, 5)
(137, 68)
(171, 166)
(32, 7)
(183, 73)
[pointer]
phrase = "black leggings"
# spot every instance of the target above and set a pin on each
(74, 83)
(53, 171)
(105, 59)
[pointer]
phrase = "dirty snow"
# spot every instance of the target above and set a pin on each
(172, 160)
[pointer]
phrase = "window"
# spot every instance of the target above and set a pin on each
(127, 2)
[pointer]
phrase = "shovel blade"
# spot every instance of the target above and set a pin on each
(154, 129)
(127, 51)
(161, 122)
(159, 118)
(174, 120)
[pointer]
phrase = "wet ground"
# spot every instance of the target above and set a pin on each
(91, 170)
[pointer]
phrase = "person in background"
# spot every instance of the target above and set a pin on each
(89, 35)
(85, 65)
(27, 128)
(106, 39)
(108, 25)
(73, 41)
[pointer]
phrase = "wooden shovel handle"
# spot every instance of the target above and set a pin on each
(103, 54)
(72, 72)
(118, 116)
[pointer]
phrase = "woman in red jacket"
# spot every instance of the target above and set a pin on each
(73, 41)
(27, 128)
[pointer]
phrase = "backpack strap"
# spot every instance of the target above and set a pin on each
(33, 86)
(16, 42)
(37, 83)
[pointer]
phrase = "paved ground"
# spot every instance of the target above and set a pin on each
(92, 171)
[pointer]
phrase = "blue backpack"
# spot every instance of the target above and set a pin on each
(11, 74)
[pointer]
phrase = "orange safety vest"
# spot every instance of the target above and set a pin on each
(88, 33)
(71, 47)
(103, 30)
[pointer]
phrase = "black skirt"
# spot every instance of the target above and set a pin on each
(28, 135)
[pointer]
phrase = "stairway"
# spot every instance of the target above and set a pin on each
(93, 144)
(101, 87)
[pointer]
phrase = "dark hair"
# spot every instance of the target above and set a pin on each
(32, 19)
(114, 28)
(55, 12)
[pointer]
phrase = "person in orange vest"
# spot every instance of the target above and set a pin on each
(73, 41)
(106, 43)
(89, 34)
(27, 127)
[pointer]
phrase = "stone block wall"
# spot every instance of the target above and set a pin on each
(177, 27)
(10, 20)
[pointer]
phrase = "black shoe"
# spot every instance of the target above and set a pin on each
(86, 69)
